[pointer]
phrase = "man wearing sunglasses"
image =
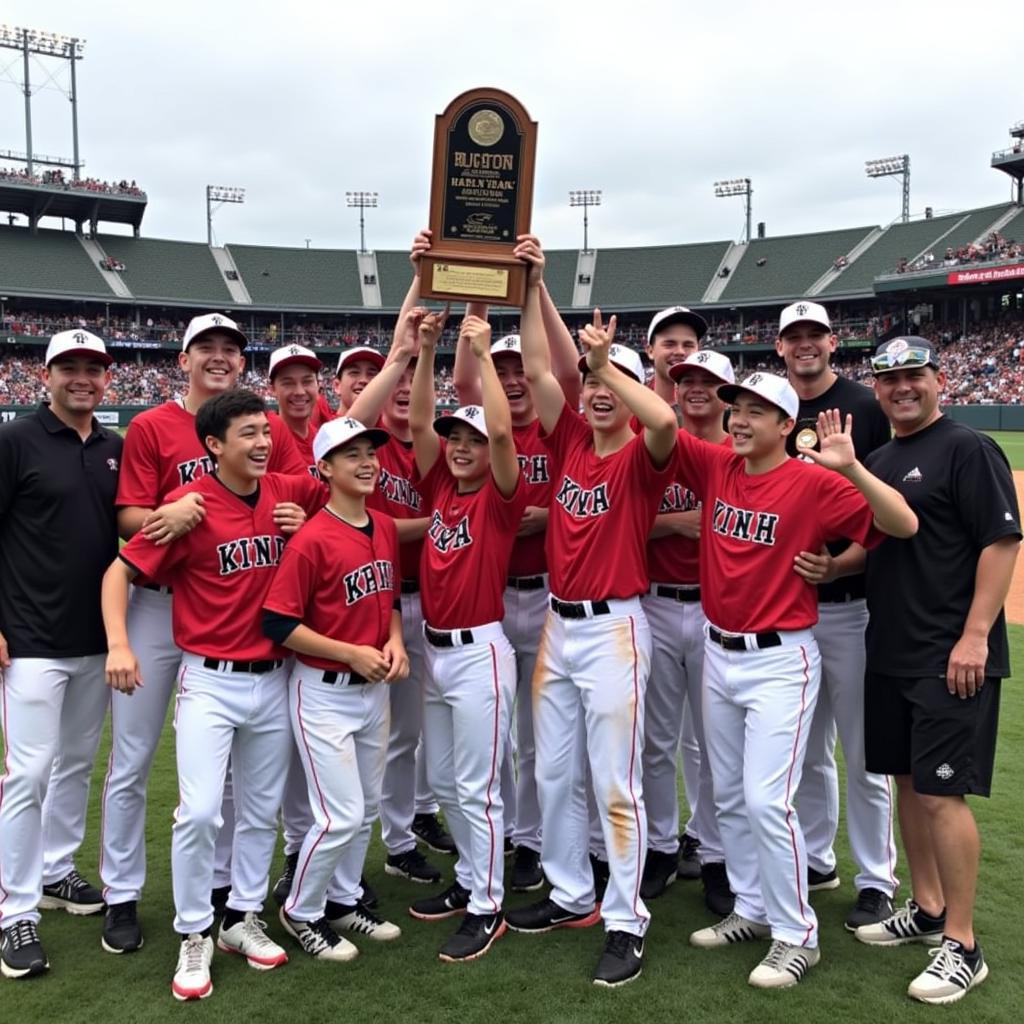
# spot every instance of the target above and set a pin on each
(936, 652)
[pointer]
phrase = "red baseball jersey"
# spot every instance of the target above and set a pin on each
(399, 498)
(222, 569)
(339, 582)
(303, 445)
(528, 558)
(601, 513)
(466, 550)
(754, 525)
(674, 559)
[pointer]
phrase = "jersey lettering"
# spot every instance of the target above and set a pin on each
(249, 553)
(193, 469)
(368, 579)
(398, 490)
(581, 503)
(448, 538)
(743, 524)
(678, 499)
(534, 468)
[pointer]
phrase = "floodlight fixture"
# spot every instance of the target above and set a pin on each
(215, 196)
(893, 167)
(737, 187)
(362, 201)
(585, 197)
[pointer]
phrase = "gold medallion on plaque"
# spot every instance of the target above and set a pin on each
(807, 438)
(486, 127)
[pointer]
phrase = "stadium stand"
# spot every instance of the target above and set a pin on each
(47, 263)
(306, 279)
(394, 274)
(560, 275)
(655, 276)
(977, 224)
(167, 271)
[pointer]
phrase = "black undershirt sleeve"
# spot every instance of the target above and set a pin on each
(279, 627)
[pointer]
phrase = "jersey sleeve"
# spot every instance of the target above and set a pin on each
(569, 431)
(294, 583)
(156, 562)
(844, 512)
(984, 493)
(285, 456)
(693, 460)
(429, 484)
(311, 494)
(139, 480)
(505, 513)
(646, 471)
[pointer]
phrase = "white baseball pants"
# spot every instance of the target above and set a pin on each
(588, 708)
(52, 715)
(341, 733)
(758, 706)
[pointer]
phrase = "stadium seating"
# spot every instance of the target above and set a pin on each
(309, 279)
(50, 262)
(162, 269)
(977, 224)
(654, 276)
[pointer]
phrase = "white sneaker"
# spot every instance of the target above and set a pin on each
(249, 938)
(784, 966)
(729, 930)
(361, 920)
(950, 976)
(904, 926)
(319, 939)
(192, 975)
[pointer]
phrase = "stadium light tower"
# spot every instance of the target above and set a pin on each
(737, 187)
(363, 201)
(893, 167)
(216, 195)
(31, 42)
(585, 197)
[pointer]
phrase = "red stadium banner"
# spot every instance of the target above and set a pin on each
(987, 276)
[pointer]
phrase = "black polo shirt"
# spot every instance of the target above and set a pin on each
(870, 431)
(58, 534)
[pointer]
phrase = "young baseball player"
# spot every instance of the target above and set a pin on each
(761, 665)
(806, 343)
(162, 452)
(474, 491)
(356, 368)
(594, 659)
(334, 602)
(295, 385)
(58, 525)
(232, 692)
(936, 654)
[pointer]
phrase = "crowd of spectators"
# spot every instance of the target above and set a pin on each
(53, 178)
(994, 247)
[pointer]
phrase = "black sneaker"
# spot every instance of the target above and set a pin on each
(526, 872)
(412, 865)
(73, 894)
(358, 918)
(21, 952)
(689, 857)
(432, 834)
(822, 881)
(602, 872)
(283, 886)
(660, 871)
(621, 961)
(475, 936)
(452, 901)
(872, 906)
(369, 894)
(545, 916)
(219, 898)
(121, 930)
(718, 897)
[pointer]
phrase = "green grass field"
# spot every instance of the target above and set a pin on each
(1012, 442)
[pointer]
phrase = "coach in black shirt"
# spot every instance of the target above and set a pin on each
(58, 533)
(937, 650)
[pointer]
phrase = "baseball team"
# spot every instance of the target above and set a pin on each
(527, 614)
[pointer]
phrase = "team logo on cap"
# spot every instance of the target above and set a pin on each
(897, 347)
(217, 320)
(801, 309)
(294, 350)
(756, 379)
(350, 423)
(471, 412)
(703, 357)
(510, 342)
(80, 337)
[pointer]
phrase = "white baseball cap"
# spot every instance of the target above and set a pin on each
(715, 363)
(769, 386)
(626, 359)
(470, 414)
(335, 433)
(287, 354)
(804, 312)
(209, 322)
(359, 352)
(511, 343)
(77, 343)
(677, 315)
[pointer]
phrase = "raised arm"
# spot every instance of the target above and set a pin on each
(564, 353)
(466, 371)
(426, 445)
(370, 402)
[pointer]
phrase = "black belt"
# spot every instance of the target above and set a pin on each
(410, 586)
(526, 582)
(578, 609)
(252, 667)
(156, 587)
(446, 637)
(841, 599)
(354, 678)
(678, 593)
(738, 642)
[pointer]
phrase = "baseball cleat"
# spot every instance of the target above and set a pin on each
(822, 881)
(474, 937)
(527, 875)
(908, 924)
(872, 907)
(192, 975)
(952, 973)
(622, 960)
(660, 871)
(249, 938)
(73, 894)
(319, 939)
(452, 901)
(121, 930)
(784, 965)
(283, 886)
(729, 930)
(412, 865)
(689, 857)
(432, 834)
(546, 915)
(718, 897)
(21, 952)
(360, 919)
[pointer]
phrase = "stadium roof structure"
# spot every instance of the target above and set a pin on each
(82, 206)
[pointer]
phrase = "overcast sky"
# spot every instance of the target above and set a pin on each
(298, 102)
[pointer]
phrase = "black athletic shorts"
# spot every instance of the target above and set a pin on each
(916, 727)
